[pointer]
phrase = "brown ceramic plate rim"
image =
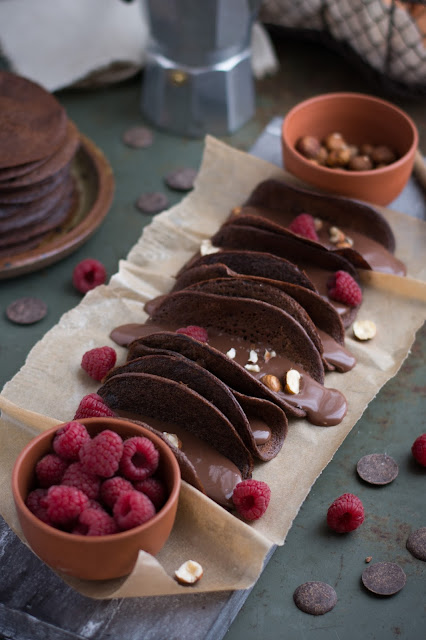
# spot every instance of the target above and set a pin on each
(63, 244)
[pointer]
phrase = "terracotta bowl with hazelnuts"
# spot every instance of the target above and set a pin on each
(350, 144)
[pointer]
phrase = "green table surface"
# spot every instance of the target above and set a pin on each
(390, 424)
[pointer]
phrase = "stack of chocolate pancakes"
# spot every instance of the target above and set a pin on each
(259, 294)
(38, 143)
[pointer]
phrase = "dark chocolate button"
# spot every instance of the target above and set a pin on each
(315, 598)
(26, 310)
(416, 543)
(181, 179)
(152, 202)
(138, 137)
(384, 578)
(377, 468)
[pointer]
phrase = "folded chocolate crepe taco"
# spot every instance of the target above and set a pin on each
(261, 425)
(246, 262)
(221, 459)
(251, 347)
(355, 230)
(280, 295)
(262, 235)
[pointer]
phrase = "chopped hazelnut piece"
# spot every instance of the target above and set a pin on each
(206, 248)
(364, 329)
(252, 367)
(292, 381)
(272, 382)
(268, 355)
(189, 572)
(173, 439)
(231, 353)
(253, 357)
(336, 235)
(318, 224)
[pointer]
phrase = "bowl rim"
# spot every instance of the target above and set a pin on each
(342, 172)
(91, 540)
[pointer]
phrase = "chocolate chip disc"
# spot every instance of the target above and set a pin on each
(26, 310)
(315, 598)
(152, 202)
(377, 468)
(384, 578)
(416, 543)
(181, 179)
(138, 137)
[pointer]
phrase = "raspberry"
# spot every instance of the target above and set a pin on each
(102, 454)
(95, 522)
(346, 513)
(140, 458)
(198, 333)
(50, 469)
(132, 509)
(419, 449)
(342, 287)
(92, 406)
(36, 503)
(154, 489)
(77, 476)
(304, 225)
(112, 488)
(97, 362)
(68, 440)
(251, 498)
(64, 504)
(88, 274)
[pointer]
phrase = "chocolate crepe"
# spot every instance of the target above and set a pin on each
(238, 411)
(162, 399)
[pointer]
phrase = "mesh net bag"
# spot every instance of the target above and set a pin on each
(387, 38)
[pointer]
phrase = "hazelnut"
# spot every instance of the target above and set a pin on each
(383, 155)
(360, 163)
(334, 141)
(272, 382)
(308, 146)
(231, 353)
(338, 157)
(206, 247)
(268, 355)
(236, 211)
(318, 224)
(189, 572)
(292, 381)
(252, 367)
(322, 156)
(173, 439)
(366, 149)
(364, 329)
(336, 235)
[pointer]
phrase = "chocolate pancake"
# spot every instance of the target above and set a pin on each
(319, 263)
(32, 122)
(359, 225)
(15, 239)
(324, 316)
(252, 321)
(321, 406)
(33, 191)
(288, 201)
(57, 161)
(241, 287)
(29, 216)
(250, 262)
(262, 428)
(156, 397)
(14, 172)
(28, 209)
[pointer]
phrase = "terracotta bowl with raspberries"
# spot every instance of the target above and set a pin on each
(350, 144)
(91, 493)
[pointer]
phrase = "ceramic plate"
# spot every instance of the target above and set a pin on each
(95, 187)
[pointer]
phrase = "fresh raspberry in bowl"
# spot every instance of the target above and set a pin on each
(71, 524)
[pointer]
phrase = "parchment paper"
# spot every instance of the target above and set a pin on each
(231, 552)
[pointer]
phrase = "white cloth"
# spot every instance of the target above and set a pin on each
(58, 43)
